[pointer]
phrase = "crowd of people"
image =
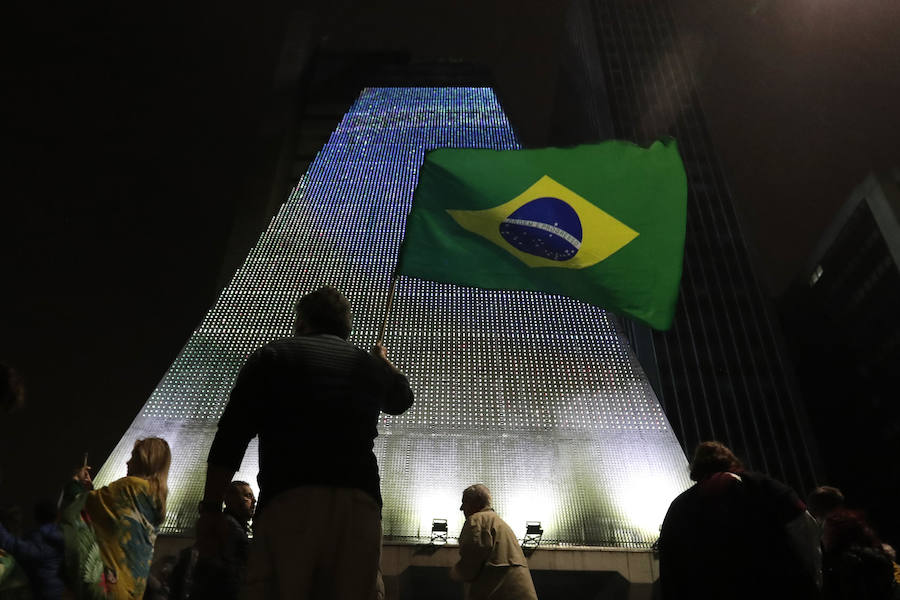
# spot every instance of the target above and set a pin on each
(316, 530)
(740, 534)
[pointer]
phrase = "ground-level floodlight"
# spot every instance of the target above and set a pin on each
(438, 532)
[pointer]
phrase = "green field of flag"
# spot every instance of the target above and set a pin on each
(603, 223)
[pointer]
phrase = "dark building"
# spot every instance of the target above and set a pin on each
(720, 372)
(842, 318)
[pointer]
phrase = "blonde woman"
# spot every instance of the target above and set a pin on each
(110, 532)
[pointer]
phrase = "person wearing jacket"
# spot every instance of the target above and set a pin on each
(736, 534)
(110, 532)
(219, 577)
(317, 531)
(40, 553)
(491, 561)
(857, 566)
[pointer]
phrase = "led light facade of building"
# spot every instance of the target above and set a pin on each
(537, 396)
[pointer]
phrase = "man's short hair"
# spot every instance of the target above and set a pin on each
(325, 310)
(236, 487)
(233, 491)
(824, 500)
(711, 458)
(478, 494)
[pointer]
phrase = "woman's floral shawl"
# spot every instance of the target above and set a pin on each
(109, 536)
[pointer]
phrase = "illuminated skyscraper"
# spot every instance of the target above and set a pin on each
(537, 396)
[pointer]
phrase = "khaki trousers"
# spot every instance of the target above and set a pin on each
(316, 543)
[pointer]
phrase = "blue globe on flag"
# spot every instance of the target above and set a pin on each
(546, 227)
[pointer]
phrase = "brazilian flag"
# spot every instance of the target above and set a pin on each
(603, 223)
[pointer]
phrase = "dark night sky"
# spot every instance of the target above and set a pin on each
(801, 98)
(134, 139)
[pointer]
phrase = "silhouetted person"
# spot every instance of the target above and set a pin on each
(736, 535)
(824, 500)
(240, 504)
(491, 562)
(159, 578)
(821, 502)
(857, 567)
(219, 577)
(314, 401)
(40, 553)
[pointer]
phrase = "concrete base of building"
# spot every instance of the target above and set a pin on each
(412, 571)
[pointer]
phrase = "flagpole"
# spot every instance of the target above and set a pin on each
(387, 309)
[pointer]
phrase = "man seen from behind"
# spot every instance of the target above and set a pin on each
(314, 401)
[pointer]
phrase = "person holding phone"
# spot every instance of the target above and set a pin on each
(110, 532)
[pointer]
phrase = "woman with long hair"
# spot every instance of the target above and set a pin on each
(110, 532)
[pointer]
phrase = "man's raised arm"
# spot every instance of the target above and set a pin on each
(398, 397)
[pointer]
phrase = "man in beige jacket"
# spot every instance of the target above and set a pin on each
(491, 561)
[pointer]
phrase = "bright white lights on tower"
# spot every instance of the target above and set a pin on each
(536, 396)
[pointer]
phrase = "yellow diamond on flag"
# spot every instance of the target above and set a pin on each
(549, 225)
